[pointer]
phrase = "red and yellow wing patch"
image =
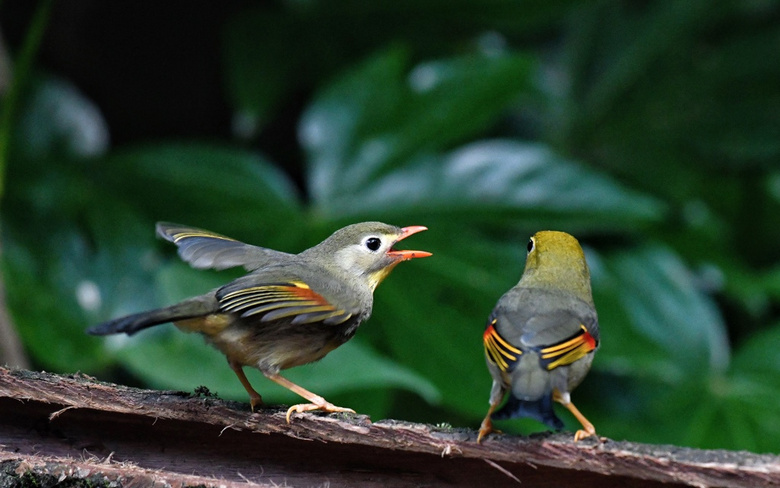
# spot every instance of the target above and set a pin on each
(498, 351)
(568, 350)
(294, 301)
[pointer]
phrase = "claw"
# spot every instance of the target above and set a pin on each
(582, 434)
(486, 428)
(254, 401)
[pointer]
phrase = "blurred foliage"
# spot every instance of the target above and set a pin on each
(650, 130)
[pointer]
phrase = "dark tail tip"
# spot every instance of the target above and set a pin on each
(102, 329)
(131, 324)
(540, 410)
(128, 325)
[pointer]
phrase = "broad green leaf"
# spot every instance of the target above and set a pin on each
(69, 283)
(750, 393)
(95, 252)
(726, 408)
(270, 54)
(497, 180)
(658, 323)
(356, 365)
(218, 188)
(60, 121)
(633, 44)
(378, 115)
(47, 319)
(69, 254)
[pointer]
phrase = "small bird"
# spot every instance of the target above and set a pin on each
(289, 310)
(542, 334)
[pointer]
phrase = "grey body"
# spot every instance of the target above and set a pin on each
(542, 335)
(532, 318)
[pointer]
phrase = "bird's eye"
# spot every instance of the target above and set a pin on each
(373, 243)
(531, 244)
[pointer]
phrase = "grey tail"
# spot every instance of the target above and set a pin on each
(194, 307)
(540, 410)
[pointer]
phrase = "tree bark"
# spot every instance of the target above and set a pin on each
(74, 427)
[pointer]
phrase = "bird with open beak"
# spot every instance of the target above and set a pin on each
(290, 309)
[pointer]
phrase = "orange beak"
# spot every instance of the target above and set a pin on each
(405, 255)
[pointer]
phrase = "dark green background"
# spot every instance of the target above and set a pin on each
(649, 130)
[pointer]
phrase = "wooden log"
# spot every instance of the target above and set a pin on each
(76, 427)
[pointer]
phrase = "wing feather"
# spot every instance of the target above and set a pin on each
(568, 350)
(329, 318)
(292, 300)
(203, 249)
(497, 350)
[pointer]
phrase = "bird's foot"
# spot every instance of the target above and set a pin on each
(485, 429)
(255, 401)
(587, 428)
(308, 407)
(582, 434)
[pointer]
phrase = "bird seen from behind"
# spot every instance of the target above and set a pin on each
(541, 336)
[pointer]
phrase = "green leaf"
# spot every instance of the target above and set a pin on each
(59, 121)
(733, 408)
(82, 221)
(378, 116)
(70, 282)
(205, 186)
(499, 179)
(271, 54)
(759, 359)
(46, 318)
(655, 321)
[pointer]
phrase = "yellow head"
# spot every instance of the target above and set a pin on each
(556, 261)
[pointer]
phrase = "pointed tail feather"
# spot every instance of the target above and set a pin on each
(541, 410)
(188, 309)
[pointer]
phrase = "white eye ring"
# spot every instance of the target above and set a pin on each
(531, 244)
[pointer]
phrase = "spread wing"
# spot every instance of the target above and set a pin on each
(291, 300)
(203, 249)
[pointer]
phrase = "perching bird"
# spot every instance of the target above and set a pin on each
(542, 334)
(291, 309)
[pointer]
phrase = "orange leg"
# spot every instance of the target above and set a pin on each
(487, 424)
(317, 402)
(254, 397)
(587, 428)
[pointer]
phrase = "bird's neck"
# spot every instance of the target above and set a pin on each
(567, 279)
(376, 277)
